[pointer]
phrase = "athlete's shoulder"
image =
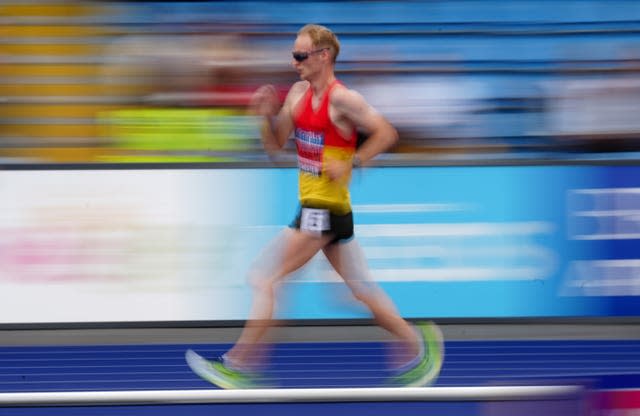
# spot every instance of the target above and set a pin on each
(296, 92)
(341, 94)
(299, 88)
(347, 99)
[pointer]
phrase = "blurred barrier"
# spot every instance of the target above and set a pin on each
(482, 401)
(308, 395)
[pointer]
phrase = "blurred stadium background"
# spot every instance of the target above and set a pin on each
(144, 81)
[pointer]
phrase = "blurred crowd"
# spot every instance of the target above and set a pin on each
(116, 81)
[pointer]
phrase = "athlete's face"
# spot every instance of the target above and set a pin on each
(306, 60)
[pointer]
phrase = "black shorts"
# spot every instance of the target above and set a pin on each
(340, 226)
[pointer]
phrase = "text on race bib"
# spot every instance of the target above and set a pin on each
(314, 220)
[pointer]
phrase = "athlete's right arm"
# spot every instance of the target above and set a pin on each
(278, 121)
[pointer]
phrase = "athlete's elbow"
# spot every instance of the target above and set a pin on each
(282, 141)
(392, 136)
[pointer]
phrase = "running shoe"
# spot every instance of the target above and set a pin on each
(425, 368)
(218, 372)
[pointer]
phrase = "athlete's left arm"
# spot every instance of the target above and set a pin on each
(352, 107)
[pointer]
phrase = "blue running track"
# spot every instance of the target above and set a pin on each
(595, 363)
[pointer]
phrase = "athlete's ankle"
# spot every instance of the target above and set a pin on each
(410, 351)
(240, 361)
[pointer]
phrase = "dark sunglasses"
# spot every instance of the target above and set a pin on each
(302, 56)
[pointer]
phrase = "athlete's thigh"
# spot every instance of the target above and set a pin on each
(271, 255)
(298, 248)
(348, 259)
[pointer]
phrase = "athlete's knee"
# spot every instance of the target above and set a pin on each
(259, 281)
(262, 273)
(363, 290)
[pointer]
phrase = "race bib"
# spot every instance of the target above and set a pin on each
(314, 220)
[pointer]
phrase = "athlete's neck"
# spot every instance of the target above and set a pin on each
(319, 86)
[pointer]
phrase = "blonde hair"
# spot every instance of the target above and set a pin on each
(322, 37)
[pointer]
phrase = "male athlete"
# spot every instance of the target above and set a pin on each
(323, 116)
